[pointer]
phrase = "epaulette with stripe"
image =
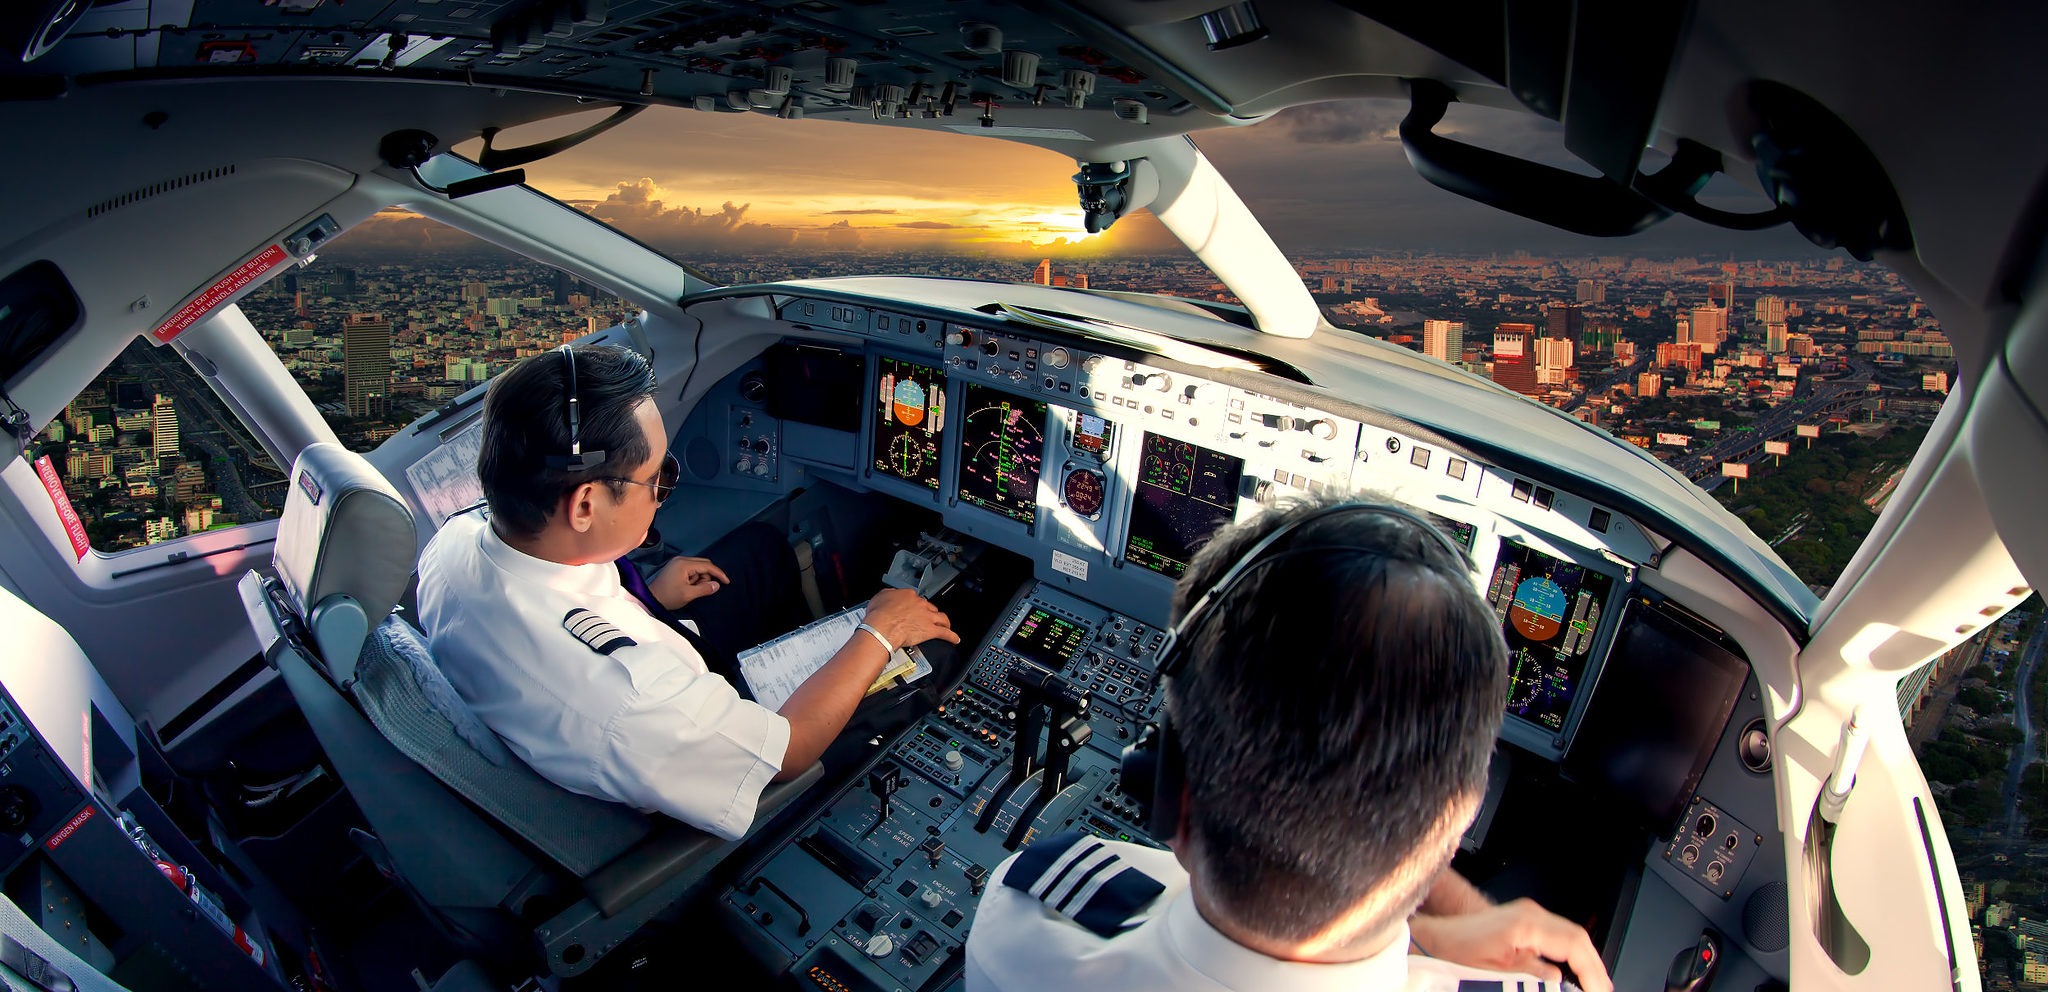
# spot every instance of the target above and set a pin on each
(596, 631)
(1081, 878)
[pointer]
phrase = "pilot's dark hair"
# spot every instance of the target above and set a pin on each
(1337, 711)
(526, 421)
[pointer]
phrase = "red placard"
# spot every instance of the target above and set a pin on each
(57, 839)
(220, 293)
(74, 528)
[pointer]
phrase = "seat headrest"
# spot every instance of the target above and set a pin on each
(345, 532)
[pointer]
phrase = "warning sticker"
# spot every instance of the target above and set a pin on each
(1067, 564)
(74, 528)
(58, 838)
(221, 293)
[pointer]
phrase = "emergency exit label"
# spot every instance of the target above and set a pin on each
(220, 293)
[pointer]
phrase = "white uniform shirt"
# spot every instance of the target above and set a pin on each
(1028, 938)
(646, 724)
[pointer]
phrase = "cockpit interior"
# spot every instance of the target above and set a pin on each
(226, 764)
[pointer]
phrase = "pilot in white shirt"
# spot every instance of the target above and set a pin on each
(527, 612)
(1333, 685)
(605, 704)
(1083, 914)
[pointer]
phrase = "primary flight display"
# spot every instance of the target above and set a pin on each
(910, 415)
(1549, 610)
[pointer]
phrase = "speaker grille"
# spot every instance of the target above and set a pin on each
(1766, 919)
(157, 188)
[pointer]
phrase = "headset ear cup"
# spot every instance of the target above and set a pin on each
(1168, 782)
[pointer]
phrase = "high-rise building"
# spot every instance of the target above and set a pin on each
(345, 283)
(163, 430)
(1444, 339)
(1649, 385)
(1079, 280)
(1709, 327)
(1043, 274)
(1688, 355)
(1564, 321)
(1776, 334)
(1599, 335)
(366, 364)
(1722, 294)
(1514, 361)
(1770, 310)
(1592, 291)
(1553, 361)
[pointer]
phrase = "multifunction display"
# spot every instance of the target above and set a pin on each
(910, 415)
(1047, 638)
(1549, 610)
(1185, 492)
(1002, 445)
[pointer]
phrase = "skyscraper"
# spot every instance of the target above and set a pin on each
(1592, 291)
(1553, 361)
(1776, 335)
(1709, 327)
(164, 428)
(1565, 321)
(366, 363)
(1514, 364)
(1770, 310)
(1444, 339)
(1043, 274)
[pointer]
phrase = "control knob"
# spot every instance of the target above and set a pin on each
(742, 465)
(1324, 428)
(1057, 358)
(991, 347)
(880, 946)
(1016, 375)
(932, 898)
(962, 337)
(954, 762)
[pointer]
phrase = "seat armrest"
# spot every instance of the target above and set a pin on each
(678, 848)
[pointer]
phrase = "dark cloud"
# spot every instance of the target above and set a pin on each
(927, 225)
(870, 210)
(1346, 123)
(634, 208)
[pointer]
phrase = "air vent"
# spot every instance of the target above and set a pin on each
(163, 187)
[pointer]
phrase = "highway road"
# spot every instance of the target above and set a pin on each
(2025, 753)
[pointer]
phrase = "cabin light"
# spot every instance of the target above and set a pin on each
(1231, 26)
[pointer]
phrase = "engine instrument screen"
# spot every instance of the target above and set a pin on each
(1002, 445)
(1460, 532)
(1185, 492)
(1549, 610)
(910, 414)
(1047, 638)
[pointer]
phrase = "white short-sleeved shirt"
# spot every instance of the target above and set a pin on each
(626, 712)
(1060, 915)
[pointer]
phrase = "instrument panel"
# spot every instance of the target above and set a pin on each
(1110, 472)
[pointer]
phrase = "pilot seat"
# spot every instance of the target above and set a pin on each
(509, 865)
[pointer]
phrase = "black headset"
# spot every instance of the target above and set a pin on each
(1154, 768)
(577, 460)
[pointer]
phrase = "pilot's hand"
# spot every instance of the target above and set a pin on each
(685, 580)
(906, 618)
(1519, 936)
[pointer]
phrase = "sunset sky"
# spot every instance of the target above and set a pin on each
(1321, 178)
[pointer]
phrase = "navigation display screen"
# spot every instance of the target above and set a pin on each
(1185, 492)
(1665, 695)
(910, 414)
(1047, 639)
(1002, 444)
(1549, 610)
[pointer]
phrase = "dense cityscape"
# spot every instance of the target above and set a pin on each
(1795, 391)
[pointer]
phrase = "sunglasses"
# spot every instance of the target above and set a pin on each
(664, 481)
